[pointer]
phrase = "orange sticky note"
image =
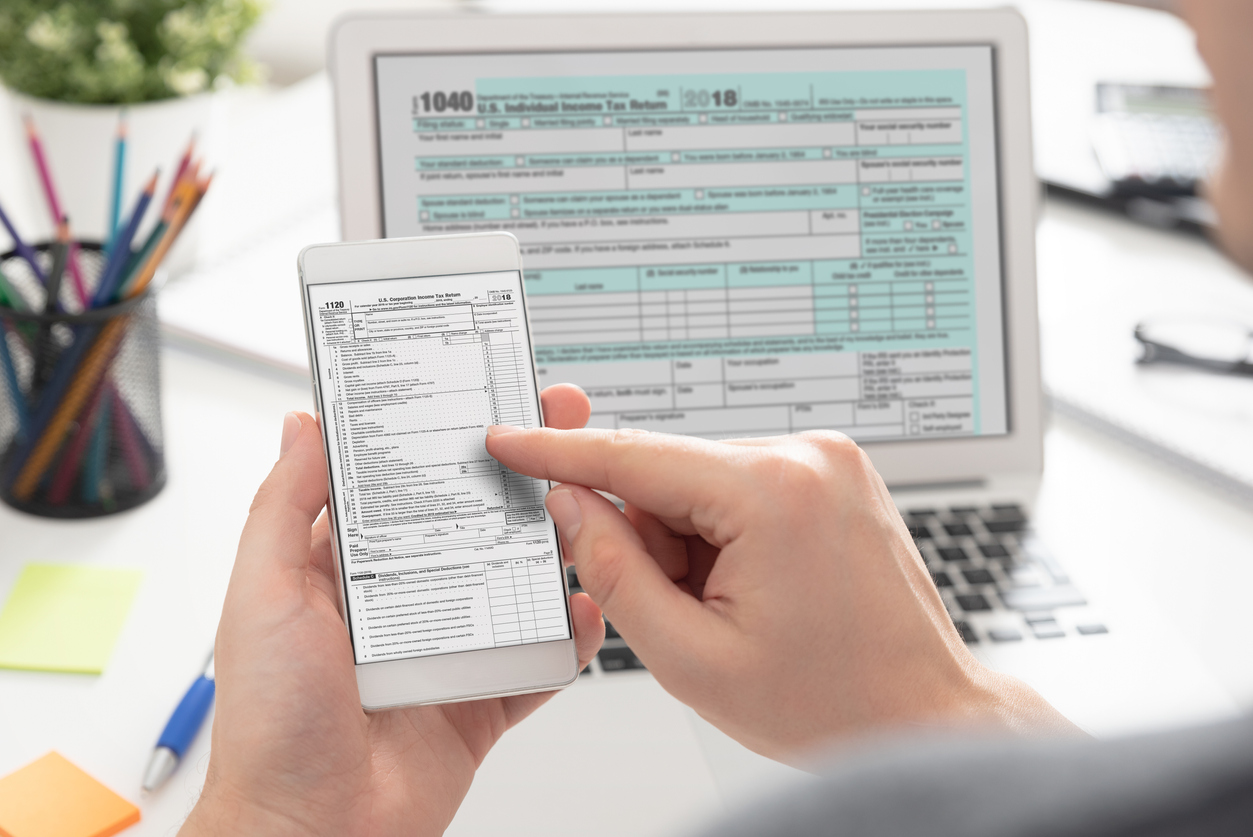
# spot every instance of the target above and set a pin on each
(50, 797)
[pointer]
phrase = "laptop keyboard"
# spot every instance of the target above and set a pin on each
(997, 580)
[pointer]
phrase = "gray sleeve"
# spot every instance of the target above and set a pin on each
(1186, 782)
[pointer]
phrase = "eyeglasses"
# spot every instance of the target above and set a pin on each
(1215, 345)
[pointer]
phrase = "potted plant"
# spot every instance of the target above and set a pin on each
(74, 65)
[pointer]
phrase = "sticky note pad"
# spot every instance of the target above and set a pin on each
(64, 617)
(50, 797)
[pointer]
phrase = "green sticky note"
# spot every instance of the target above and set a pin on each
(64, 617)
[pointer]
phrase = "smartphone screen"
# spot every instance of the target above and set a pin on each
(443, 550)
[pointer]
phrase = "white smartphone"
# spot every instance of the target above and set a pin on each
(452, 582)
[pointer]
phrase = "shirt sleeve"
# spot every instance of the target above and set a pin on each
(1196, 781)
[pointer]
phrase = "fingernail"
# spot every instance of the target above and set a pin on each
(564, 507)
(501, 429)
(291, 429)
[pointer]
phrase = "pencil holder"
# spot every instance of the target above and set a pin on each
(80, 406)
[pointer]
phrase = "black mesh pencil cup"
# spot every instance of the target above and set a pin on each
(80, 408)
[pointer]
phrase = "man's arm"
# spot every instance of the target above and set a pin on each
(1176, 784)
(1224, 36)
(1224, 33)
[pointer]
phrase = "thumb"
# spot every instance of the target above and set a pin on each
(662, 624)
(281, 518)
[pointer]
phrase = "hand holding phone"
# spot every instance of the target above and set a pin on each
(292, 750)
(451, 578)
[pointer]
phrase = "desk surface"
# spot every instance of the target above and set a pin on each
(1116, 518)
(1181, 547)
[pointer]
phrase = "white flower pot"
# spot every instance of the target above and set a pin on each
(78, 142)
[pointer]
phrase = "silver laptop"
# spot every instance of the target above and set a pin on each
(747, 225)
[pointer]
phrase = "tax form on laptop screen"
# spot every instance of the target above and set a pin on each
(728, 242)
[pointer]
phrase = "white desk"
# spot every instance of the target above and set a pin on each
(222, 429)
(1116, 519)
(1183, 546)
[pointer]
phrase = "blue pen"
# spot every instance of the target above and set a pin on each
(181, 729)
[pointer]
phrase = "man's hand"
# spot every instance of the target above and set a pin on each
(292, 751)
(770, 584)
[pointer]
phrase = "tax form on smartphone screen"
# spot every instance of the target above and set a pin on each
(453, 586)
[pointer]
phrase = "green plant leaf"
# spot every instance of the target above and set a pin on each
(124, 51)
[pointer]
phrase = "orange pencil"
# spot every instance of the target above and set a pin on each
(186, 198)
(63, 479)
(99, 356)
(85, 380)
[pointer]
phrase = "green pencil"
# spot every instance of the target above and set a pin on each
(12, 299)
(9, 296)
(137, 261)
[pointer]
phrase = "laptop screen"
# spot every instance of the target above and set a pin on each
(728, 242)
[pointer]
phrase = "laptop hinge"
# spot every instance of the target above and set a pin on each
(937, 486)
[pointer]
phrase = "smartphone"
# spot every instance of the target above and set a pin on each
(452, 585)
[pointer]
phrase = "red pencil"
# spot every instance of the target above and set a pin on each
(178, 172)
(128, 432)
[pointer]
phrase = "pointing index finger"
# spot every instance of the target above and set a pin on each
(667, 475)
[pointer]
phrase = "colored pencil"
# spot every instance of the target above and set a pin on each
(97, 456)
(119, 176)
(112, 275)
(183, 163)
(63, 478)
(50, 192)
(84, 366)
(78, 375)
(91, 447)
(60, 253)
(15, 389)
(23, 249)
(186, 198)
(140, 258)
(10, 296)
(128, 434)
(77, 379)
(41, 166)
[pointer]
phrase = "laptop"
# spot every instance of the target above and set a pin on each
(753, 224)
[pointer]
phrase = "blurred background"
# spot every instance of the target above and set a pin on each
(1075, 45)
(1148, 490)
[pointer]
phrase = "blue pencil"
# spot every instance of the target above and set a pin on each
(23, 249)
(62, 374)
(15, 389)
(119, 175)
(121, 252)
